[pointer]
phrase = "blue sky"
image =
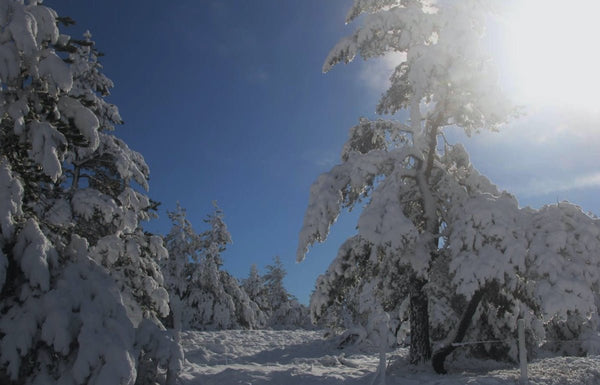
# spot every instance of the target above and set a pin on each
(226, 101)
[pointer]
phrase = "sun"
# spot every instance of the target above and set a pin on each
(552, 52)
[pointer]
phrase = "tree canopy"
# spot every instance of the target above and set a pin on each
(438, 244)
(75, 265)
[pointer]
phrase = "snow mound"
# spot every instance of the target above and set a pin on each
(301, 357)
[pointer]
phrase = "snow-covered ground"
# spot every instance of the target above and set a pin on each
(304, 357)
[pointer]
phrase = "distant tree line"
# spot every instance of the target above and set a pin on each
(87, 296)
(205, 297)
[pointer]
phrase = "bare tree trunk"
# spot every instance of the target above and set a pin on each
(440, 356)
(420, 347)
(75, 181)
(489, 291)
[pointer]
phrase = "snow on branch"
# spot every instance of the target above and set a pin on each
(47, 147)
(11, 199)
(34, 252)
(381, 33)
(344, 186)
(369, 6)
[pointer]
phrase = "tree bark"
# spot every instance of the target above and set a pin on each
(75, 181)
(420, 347)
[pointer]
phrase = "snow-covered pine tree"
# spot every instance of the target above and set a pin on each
(76, 266)
(465, 250)
(254, 286)
(216, 238)
(563, 277)
(115, 173)
(283, 309)
(182, 244)
(277, 295)
(247, 312)
(353, 286)
(205, 296)
(554, 287)
(444, 80)
(209, 306)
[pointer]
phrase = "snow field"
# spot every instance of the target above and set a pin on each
(301, 357)
(270, 357)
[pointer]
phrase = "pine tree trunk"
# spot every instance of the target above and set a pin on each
(420, 347)
(172, 374)
(489, 290)
(440, 356)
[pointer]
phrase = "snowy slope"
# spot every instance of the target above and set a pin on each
(304, 357)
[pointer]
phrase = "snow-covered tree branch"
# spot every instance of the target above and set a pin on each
(76, 267)
(461, 249)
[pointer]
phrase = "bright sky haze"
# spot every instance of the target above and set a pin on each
(226, 101)
(554, 51)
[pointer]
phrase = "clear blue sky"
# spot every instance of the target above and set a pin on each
(226, 101)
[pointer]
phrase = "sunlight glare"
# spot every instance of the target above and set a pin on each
(554, 53)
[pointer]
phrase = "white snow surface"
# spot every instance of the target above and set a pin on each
(295, 357)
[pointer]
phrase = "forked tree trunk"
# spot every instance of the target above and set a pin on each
(465, 321)
(420, 347)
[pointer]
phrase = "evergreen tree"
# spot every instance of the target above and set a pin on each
(445, 80)
(204, 296)
(254, 286)
(348, 294)
(182, 244)
(283, 310)
(76, 267)
(215, 239)
(276, 292)
(436, 238)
